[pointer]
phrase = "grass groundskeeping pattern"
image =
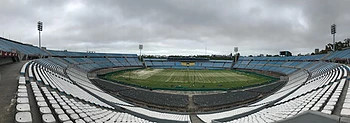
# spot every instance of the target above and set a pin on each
(187, 79)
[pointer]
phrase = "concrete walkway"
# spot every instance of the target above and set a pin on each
(9, 75)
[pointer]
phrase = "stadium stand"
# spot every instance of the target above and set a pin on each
(154, 98)
(56, 53)
(160, 99)
(284, 65)
(327, 81)
(267, 88)
(319, 93)
(58, 88)
(223, 99)
(7, 45)
(181, 64)
(293, 90)
(81, 87)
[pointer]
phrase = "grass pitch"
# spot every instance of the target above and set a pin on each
(188, 79)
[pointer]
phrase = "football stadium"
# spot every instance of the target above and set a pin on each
(66, 82)
(61, 86)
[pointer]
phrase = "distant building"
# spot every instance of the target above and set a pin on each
(317, 51)
(285, 53)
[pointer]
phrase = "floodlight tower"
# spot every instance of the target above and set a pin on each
(140, 48)
(333, 31)
(236, 51)
(235, 57)
(40, 28)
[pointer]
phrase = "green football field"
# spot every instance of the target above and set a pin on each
(188, 79)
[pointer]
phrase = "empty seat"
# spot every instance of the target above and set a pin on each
(21, 90)
(48, 118)
(22, 80)
(63, 117)
(345, 112)
(40, 99)
(22, 100)
(59, 111)
(42, 104)
(44, 110)
(79, 121)
(23, 117)
(22, 107)
(22, 94)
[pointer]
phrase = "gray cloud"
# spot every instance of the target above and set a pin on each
(177, 26)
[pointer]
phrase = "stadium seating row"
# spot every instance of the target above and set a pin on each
(57, 53)
(10, 46)
(63, 92)
(159, 99)
(284, 67)
(212, 64)
(60, 101)
(316, 87)
(344, 54)
(82, 88)
(321, 94)
(287, 58)
(223, 99)
(89, 64)
(338, 55)
(300, 94)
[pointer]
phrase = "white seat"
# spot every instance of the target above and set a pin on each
(50, 97)
(345, 112)
(70, 111)
(331, 103)
(22, 107)
(42, 104)
(327, 111)
(48, 118)
(62, 103)
(44, 110)
(22, 80)
(63, 117)
(88, 119)
(65, 107)
(74, 116)
(22, 94)
(22, 87)
(79, 121)
(53, 101)
(38, 95)
(346, 105)
(22, 100)
(21, 90)
(83, 115)
(328, 107)
(56, 106)
(39, 99)
(59, 111)
(23, 117)
(78, 110)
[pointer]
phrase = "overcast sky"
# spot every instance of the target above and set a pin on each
(183, 27)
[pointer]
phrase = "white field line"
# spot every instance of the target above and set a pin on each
(171, 75)
(143, 74)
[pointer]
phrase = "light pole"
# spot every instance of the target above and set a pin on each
(40, 28)
(140, 48)
(236, 51)
(333, 31)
